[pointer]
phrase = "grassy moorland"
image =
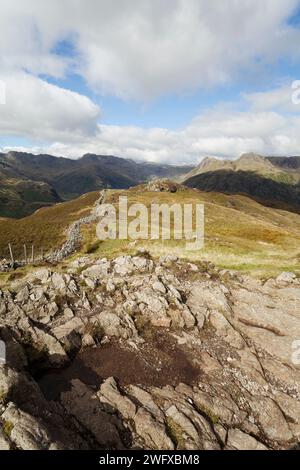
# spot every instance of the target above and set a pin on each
(240, 234)
(45, 228)
(272, 181)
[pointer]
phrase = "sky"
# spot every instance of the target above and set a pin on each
(166, 81)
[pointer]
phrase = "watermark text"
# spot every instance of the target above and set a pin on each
(2, 353)
(296, 352)
(296, 92)
(160, 221)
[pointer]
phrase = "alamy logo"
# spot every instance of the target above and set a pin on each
(2, 353)
(161, 221)
(296, 92)
(296, 352)
(2, 92)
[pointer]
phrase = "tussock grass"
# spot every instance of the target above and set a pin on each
(46, 228)
(240, 233)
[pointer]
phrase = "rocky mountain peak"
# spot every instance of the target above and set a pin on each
(251, 156)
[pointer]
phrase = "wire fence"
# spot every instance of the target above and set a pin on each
(22, 257)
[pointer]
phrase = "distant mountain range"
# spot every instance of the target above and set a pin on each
(28, 182)
(273, 181)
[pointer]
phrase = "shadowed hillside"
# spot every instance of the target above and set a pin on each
(19, 198)
(273, 181)
(265, 190)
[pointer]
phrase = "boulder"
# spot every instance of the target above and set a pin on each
(238, 440)
(24, 430)
(109, 393)
(152, 432)
(286, 277)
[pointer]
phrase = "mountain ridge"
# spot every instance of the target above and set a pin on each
(248, 162)
(273, 181)
(68, 179)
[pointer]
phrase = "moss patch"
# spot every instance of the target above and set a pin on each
(7, 428)
(176, 433)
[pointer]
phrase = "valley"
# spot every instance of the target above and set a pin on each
(29, 181)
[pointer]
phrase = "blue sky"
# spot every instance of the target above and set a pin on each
(172, 81)
(171, 111)
(174, 111)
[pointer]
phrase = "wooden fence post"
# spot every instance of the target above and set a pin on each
(11, 255)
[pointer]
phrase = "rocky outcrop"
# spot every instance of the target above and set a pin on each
(74, 234)
(160, 185)
(168, 355)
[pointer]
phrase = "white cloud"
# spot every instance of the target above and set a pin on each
(142, 49)
(220, 133)
(41, 111)
(225, 134)
(24, 43)
(149, 50)
(280, 99)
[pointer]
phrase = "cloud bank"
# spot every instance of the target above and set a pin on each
(221, 132)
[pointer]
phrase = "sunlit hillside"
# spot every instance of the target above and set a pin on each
(240, 233)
